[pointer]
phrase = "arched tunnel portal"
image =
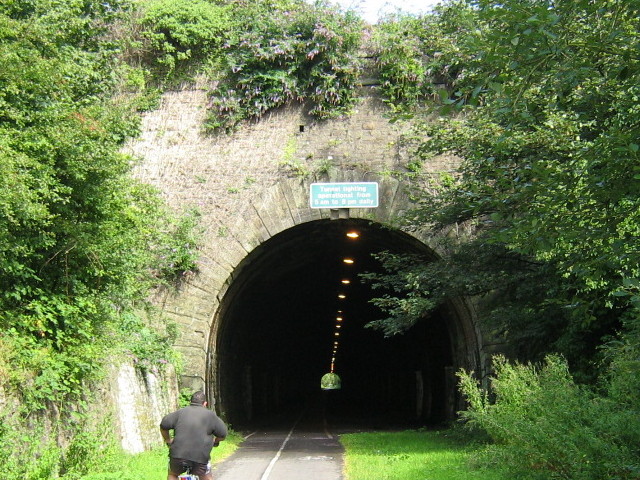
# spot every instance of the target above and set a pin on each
(277, 324)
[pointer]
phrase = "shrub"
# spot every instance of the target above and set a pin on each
(283, 52)
(177, 34)
(81, 242)
(29, 456)
(546, 426)
(33, 451)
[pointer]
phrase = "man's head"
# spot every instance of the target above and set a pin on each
(198, 398)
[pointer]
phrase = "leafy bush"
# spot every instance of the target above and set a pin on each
(546, 426)
(283, 52)
(178, 250)
(90, 449)
(148, 344)
(400, 60)
(30, 456)
(177, 34)
(81, 242)
(35, 454)
(423, 58)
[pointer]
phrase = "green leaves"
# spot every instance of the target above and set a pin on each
(282, 53)
(545, 425)
(178, 34)
(546, 96)
(81, 242)
(419, 58)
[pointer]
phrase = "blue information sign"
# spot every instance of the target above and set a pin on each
(344, 195)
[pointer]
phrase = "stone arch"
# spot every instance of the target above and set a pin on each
(253, 185)
(284, 209)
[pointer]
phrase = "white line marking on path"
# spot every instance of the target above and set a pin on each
(267, 472)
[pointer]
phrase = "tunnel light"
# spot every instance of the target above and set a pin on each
(353, 234)
(338, 326)
(346, 281)
(335, 343)
(339, 319)
(342, 295)
(337, 334)
(348, 260)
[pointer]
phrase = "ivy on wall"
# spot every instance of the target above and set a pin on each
(284, 52)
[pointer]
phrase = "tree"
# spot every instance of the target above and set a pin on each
(547, 130)
(81, 242)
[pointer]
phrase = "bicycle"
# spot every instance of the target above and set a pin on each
(188, 476)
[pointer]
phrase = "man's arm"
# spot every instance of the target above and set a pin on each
(219, 431)
(166, 436)
(168, 423)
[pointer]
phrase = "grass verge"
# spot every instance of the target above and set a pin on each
(414, 455)
(153, 464)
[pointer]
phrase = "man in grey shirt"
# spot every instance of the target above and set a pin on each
(196, 430)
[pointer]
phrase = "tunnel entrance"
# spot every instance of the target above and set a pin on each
(276, 334)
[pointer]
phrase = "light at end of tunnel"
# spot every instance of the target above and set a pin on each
(346, 281)
(353, 234)
(342, 295)
(348, 260)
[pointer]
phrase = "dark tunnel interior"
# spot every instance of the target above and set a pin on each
(278, 326)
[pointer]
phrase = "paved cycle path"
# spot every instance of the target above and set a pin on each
(306, 450)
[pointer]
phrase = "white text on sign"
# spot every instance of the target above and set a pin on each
(344, 195)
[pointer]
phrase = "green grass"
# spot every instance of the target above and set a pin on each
(153, 464)
(413, 455)
(407, 455)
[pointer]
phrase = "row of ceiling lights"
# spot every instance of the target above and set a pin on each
(353, 235)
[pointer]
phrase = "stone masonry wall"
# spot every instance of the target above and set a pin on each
(253, 184)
